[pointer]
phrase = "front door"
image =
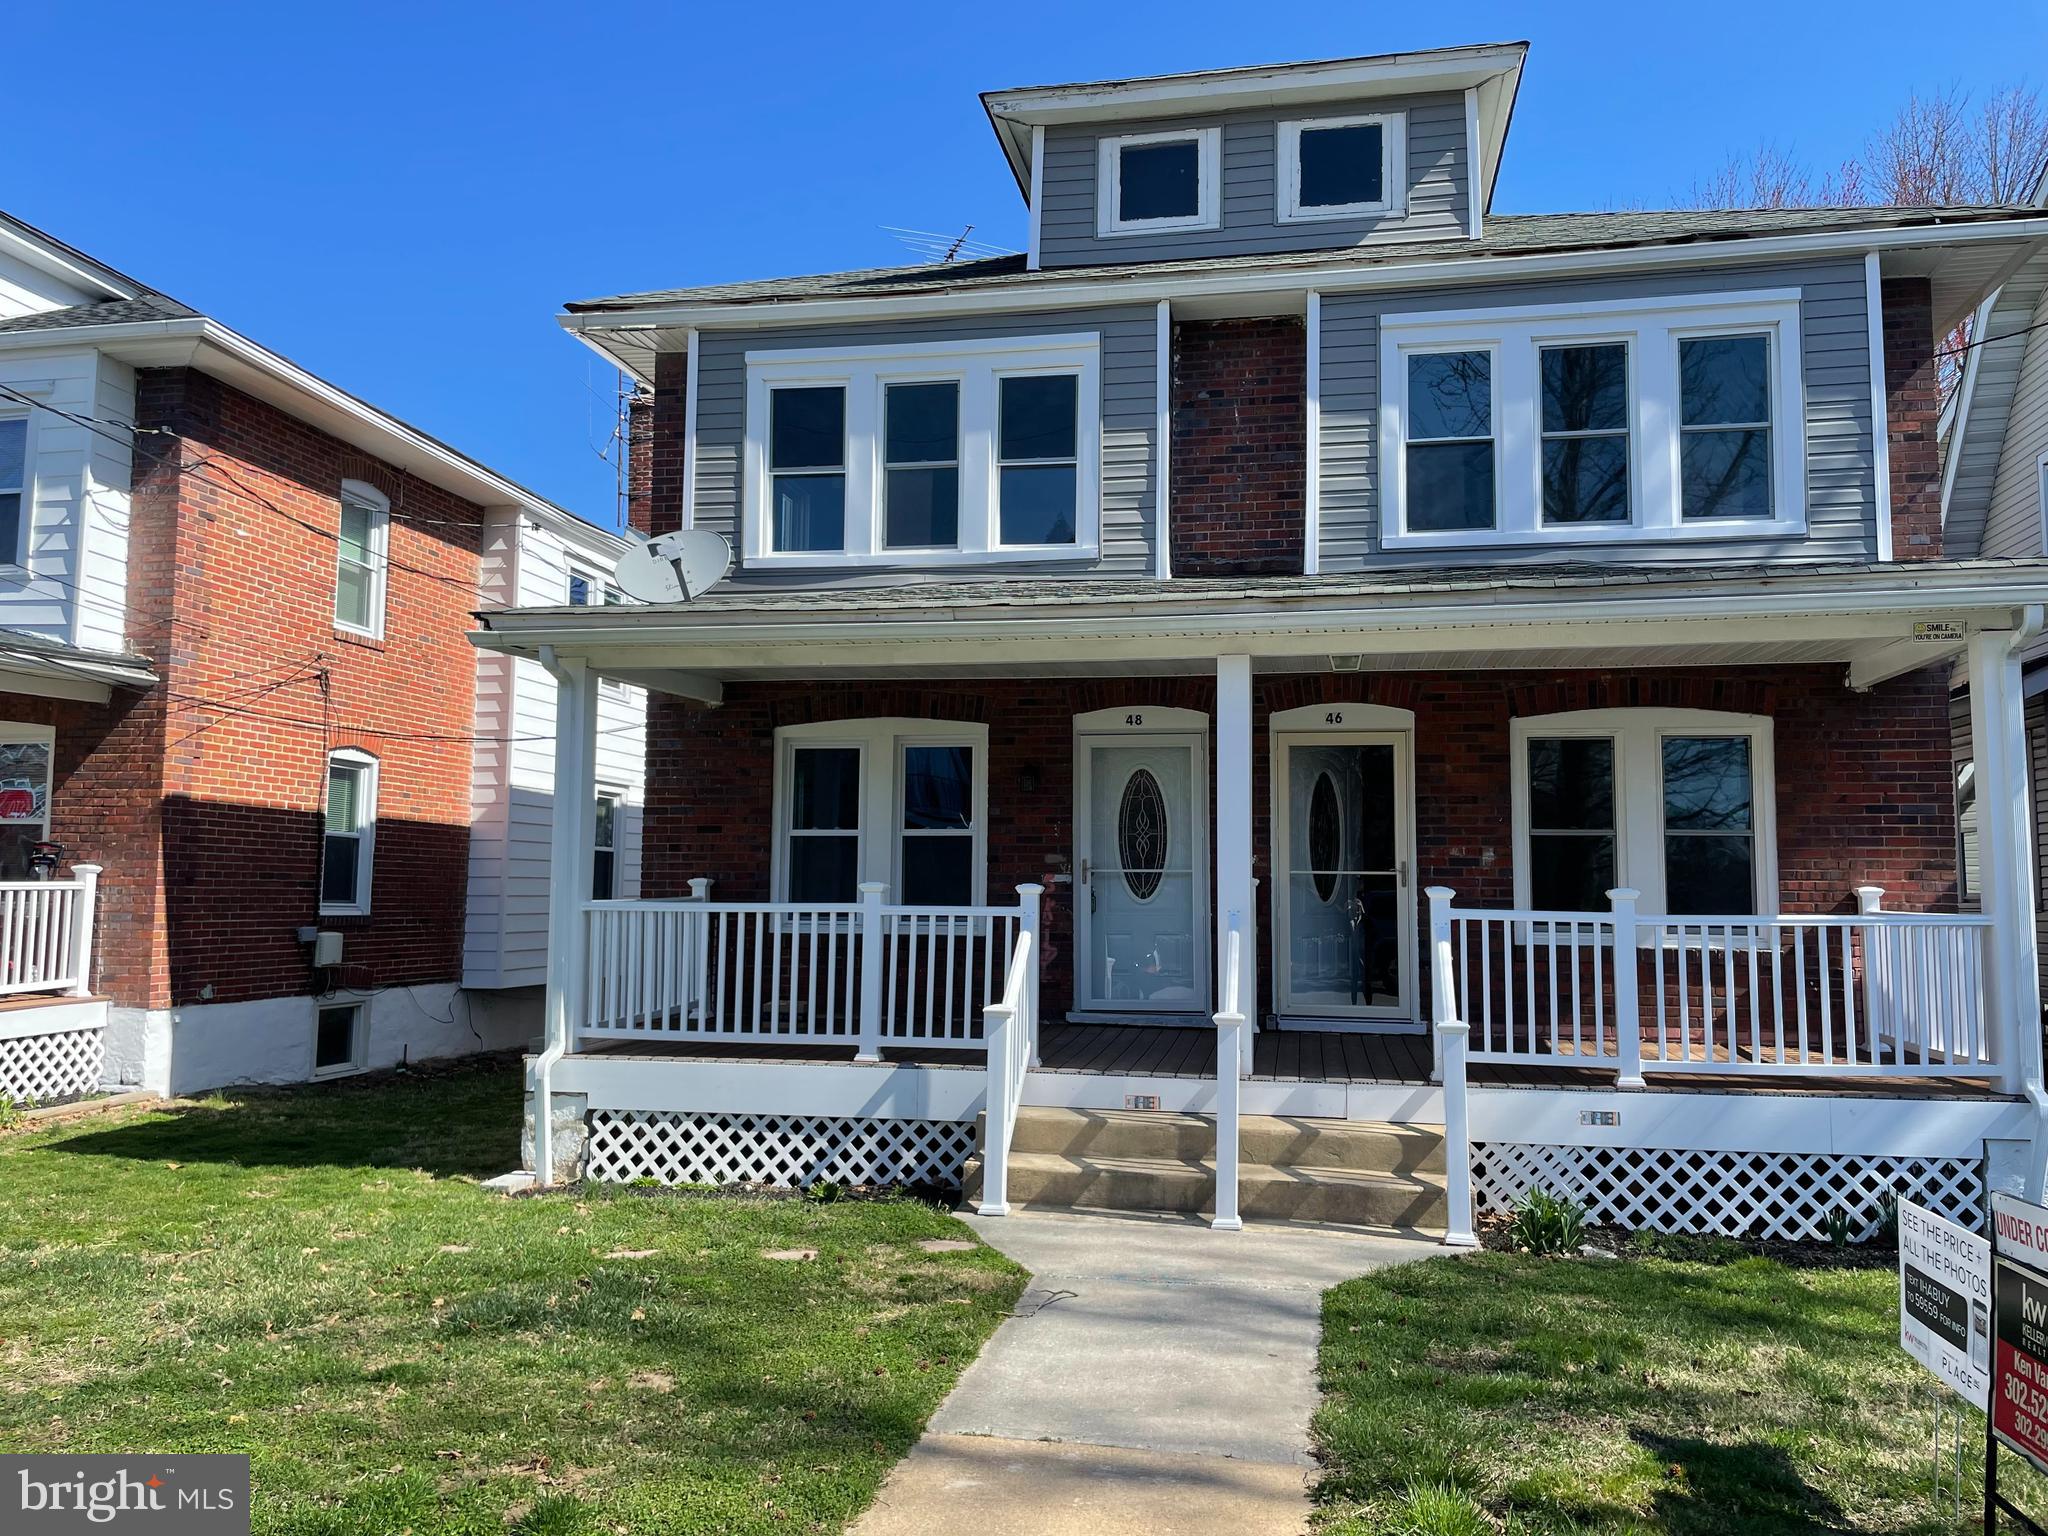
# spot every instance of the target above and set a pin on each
(1141, 907)
(1344, 910)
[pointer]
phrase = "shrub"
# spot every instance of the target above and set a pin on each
(1544, 1224)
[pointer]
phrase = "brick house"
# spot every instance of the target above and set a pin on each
(1297, 643)
(234, 609)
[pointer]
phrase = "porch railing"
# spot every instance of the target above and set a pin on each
(1876, 994)
(46, 931)
(864, 974)
(1010, 1028)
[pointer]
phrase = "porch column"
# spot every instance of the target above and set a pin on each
(570, 846)
(2012, 986)
(1234, 887)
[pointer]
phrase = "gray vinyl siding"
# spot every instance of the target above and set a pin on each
(1130, 404)
(1437, 208)
(1841, 503)
(2012, 522)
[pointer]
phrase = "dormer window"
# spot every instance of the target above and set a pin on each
(1155, 182)
(1341, 167)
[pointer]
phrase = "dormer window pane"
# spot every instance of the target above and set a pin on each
(1038, 467)
(13, 484)
(807, 433)
(1159, 181)
(1724, 442)
(1341, 167)
(922, 461)
(1450, 441)
(1585, 434)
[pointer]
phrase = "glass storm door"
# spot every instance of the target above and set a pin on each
(1142, 908)
(1346, 922)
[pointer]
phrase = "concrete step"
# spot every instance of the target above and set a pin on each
(1354, 1197)
(1281, 1141)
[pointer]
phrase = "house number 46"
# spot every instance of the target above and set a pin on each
(1334, 717)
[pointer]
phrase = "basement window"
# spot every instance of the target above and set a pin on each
(340, 1040)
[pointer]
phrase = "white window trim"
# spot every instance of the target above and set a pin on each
(881, 740)
(366, 842)
(621, 798)
(2041, 489)
(359, 1039)
(18, 555)
(865, 374)
(378, 505)
(1208, 144)
(1393, 201)
(1638, 735)
(1652, 329)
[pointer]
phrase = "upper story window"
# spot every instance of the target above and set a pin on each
(348, 850)
(1158, 182)
(1340, 167)
(1558, 424)
(898, 801)
(361, 547)
(588, 589)
(948, 453)
(14, 484)
(1676, 804)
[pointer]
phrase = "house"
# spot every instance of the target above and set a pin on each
(239, 700)
(1994, 502)
(1301, 695)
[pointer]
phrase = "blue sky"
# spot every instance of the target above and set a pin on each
(401, 196)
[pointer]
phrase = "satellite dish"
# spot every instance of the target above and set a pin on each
(676, 567)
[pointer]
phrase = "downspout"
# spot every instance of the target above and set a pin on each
(541, 1076)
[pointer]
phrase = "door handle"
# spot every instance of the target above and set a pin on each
(1084, 871)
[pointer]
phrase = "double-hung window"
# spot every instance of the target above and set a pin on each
(604, 844)
(1158, 182)
(347, 851)
(360, 559)
(14, 484)
(1675, 804)
(1341, 167)
(1651, 419)
(898, 801)
(924, 454)
(587, 589)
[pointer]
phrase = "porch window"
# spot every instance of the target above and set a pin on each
(824, 824)
(1676, 804)
(604, 845)
(807, 457)
(347, 850)
(360, 559)
(1967, 854)
(14, 481)
(25, 752)
(924, 454)
(1658, 419)
(897, 801)
(1450, 441)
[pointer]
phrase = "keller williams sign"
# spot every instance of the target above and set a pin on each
(2019, 1357)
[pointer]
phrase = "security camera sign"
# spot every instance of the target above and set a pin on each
(1945, 1301)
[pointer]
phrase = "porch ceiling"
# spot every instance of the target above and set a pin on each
(1881, 620)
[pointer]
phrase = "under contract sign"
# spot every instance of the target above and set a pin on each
(2019, 1395)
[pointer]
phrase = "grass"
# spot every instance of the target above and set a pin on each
(1507, 1394)
(314, 1279)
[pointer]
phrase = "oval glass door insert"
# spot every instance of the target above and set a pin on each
(1141, 834)
(1325, 836)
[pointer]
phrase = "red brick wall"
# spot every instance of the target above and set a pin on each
(1862, 779)
(1239, 458)
(259, 686)
(640, 461)
(1913, 406)
(658, 455)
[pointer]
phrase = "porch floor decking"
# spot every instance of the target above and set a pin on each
(1290, 1056)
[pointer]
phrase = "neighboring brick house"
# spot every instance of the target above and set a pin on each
(238, 678)
(1518, 640)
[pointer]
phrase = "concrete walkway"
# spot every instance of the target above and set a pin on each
(1155, 1376)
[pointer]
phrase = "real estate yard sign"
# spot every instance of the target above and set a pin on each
(2019, 1388)
(1945, 1301)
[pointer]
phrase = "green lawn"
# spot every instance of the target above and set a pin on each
(1498, 1393)
(314, 1278)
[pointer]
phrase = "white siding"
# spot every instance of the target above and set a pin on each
(512, 793)
(2012, 525)
(74, 587)
(26, 290)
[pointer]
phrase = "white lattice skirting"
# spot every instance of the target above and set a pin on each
(53, 1066)
(1735, 1194)
(794, 1150)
